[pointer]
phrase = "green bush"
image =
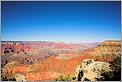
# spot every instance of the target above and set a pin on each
(65, 78)
(114, 75)
(61, 78)
(108, 76)
(89, 62)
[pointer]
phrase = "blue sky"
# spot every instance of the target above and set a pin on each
(61, 21)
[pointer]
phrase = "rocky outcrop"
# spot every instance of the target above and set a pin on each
(105, 51)
(7, 70)
(91, 70)
(19, 77)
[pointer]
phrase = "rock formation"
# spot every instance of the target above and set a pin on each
(91, 70)
(47, 60)
(19, 77)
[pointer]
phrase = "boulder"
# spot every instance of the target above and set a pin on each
(19, 77)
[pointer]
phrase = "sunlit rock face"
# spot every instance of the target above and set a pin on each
(19, 77)
(7, 70)
(91, 70)
(106, 50)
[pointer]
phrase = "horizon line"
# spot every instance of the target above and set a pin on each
(56, 41)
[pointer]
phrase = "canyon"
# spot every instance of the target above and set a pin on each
(42, 60)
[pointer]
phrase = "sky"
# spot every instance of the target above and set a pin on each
(61, 21)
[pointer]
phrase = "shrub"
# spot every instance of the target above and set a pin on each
(114, 75)
(109, 76)
(89, 62)
(65, 78)
(61, 78)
